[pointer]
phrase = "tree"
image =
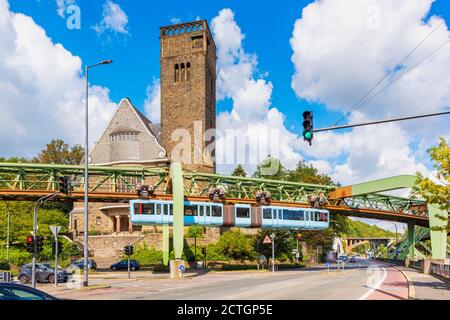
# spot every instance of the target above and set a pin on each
(239, 171)
(59, 152)
(432, 192)
(270, 168)
(308, 174)
(236, 245)
(285, 242)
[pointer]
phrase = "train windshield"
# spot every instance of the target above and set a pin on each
(144, 208)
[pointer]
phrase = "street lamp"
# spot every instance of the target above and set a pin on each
(86, 174)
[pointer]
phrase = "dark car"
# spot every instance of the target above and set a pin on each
(44, 274)
(123, 265)
(14, 291)
(79, 264)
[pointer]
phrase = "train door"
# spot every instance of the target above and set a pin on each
(165, 214)
(277, 218)
(158, 213)
(207, 213)
(307, 219)
(242, 212)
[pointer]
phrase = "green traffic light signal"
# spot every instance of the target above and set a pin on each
(308, 135)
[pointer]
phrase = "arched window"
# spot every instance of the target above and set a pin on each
(188, 71)
(183, 72)
(177, 73)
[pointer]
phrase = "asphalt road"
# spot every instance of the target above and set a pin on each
(360, 281)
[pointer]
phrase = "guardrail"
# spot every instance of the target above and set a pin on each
(416, 264)
(393, 261)
(442, 270)
(5, 276)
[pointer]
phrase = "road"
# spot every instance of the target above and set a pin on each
(364, 280)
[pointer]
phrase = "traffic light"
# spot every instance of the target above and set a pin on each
(65, 185)
(308, 126)
(30, 244)
(128, 250)
(59, 247)
(39, 244)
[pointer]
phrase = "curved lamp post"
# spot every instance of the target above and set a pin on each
(86, 175)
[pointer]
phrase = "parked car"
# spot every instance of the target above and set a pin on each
(352, 260)
(79, 264)
(14, 291)
(44, 274)
(123, 265)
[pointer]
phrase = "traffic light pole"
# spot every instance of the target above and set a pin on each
(129, 261)
(56, 260)
(40, 202)
(382, 121)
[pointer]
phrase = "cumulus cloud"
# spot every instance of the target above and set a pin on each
(42, 90)
(341, 49)
(152, 104)
(114, 20)
(252, 116)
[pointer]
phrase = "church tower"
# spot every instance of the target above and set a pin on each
(188, 92)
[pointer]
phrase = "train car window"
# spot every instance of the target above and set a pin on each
(158, 209)
(171, 209)
(318, 216)
(293, 215)
(312, 216)
(144, 208)
(216, 211)
(267, 213)
(202, 209)
(324, 216)
(208, 211)
(166, 209)
(242, 213)
(190, 211)
(307, 215)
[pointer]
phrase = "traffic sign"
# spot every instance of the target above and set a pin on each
(55, 230)
(328, 264)
(181, 268)
(267, 240)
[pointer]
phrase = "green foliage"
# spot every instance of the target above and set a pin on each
(361, 229)
(17, 256)
(285, 242)
(307, 174)
(239, 171)
(4, 266)
(59, 152)
(195, 230)
(272, 169)
(147, 256)
(236, 245)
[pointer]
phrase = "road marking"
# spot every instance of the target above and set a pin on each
(372, 290)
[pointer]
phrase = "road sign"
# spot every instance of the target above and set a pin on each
(55, 230)
(267, 240)
(181, 268)
(328, 264)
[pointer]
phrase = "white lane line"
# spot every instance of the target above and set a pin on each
(372, 290)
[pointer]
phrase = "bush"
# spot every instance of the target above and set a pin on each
(283, 266)
(17, 257)
(161, 268)
(4, 266)
(146, 256)
(195, 230)
(235, 267)
(236, 245)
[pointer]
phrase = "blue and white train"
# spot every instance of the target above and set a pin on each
(155, 212)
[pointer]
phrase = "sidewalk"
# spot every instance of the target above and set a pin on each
(425, 286)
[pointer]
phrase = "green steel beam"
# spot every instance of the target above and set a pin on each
(176, 176)
(438, 231)
(411, 240)
(382, 185)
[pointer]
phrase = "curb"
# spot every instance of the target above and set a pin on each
(411, 289)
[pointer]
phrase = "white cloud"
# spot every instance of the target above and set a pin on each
(175, 20)
(62, 6)
(152, 104)
(42, 90)
(114, 19)
(238, 80)
(341, 49)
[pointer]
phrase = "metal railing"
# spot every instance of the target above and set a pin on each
(416, 264)
(442, 270)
